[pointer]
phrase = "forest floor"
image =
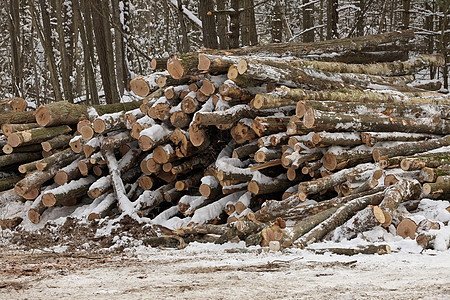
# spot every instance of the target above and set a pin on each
(208, 271)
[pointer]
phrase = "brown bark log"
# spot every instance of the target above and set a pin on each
(36, 135)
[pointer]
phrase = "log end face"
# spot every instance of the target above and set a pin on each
(329, 161)
(205, 190)
(61, 178)
(43, 116)
(140, 87)
(99, 126)
(34, 216)
(87, 133)
(232, 73)
(253, 187)
(175, 68)
(242, 66)
(145, 143)
(48, 200)
(14, 140)
(407, 228)
(93, 216)
(203, 62)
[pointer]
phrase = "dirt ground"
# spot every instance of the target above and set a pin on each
(197, 273)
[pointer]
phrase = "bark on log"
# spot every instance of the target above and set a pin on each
(36, 135)
(15, 158)
(338, 158)
(369, 249)
(371, 138)
(410, 148)
(73, 189)
(343, 214)
(7, 129)
(17, 117)
(332, 122)
(56, 142)
(59, 113)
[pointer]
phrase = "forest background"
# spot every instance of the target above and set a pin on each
(88, 50)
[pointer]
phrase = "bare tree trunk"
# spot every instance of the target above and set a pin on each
(445, 7)
(308, 21)
(277, 24)
(234, 24)
(383, 16)
(406, 13)
(360, 21)
(429, 25)
(102, 50)
(66, 70)
(222, 26)
(332, 19)
(209, 24)
(14, 35)
(185, 41)
(45, 35)
(119, 46)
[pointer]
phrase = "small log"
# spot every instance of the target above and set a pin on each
(369, 249)
(56, 142)
(14, 104)
(153, 136)
(322, 184)
(76, 144)
(146, 182)
(371, 138)
(15, 158)
(210, 187)
(109, 122)
(338, 158)
(144, 85)
(246, 150)
(8, 149)
(7, 129)
(54, 159)
(436, 188)
(323, 139)
(410, 148)
(233, 91)
(17, 117)
(36, 135)
(69, 172)
(104, 208)
(74, 189)
(260, 185)
(338, 218)
(99, 187)
(59, 113)
(410, 164)
(269, 125)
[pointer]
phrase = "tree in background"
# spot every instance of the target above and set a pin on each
(89, 50)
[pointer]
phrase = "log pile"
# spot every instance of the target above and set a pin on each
(236, 144)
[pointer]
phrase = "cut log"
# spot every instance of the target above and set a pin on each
(210, 187)
(144, 85)
(17, 117)
(324, 139)
(269, 125)
(339, 158)
(56, 142)
(35, 179)
(153, 136)
(410, 148)
(369, 249)
(103, 208)
(332, 122)
(15, 104)
(15, 158)
(76, 144)
(7, 129)
(371, 138)
(437, 160)
(55, 159)
(36, 135)
(68, 173)
(59, 113)
(318, 185)
(8, 149)
(338, 218)
(437, 188)
(73, 189)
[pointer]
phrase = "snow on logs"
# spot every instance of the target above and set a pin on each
(218, 139)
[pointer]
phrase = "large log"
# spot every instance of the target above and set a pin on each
(15, 158)
(15, 104)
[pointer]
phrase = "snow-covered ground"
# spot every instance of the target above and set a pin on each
(207, 271)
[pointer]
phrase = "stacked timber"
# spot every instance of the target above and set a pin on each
(236, 144)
